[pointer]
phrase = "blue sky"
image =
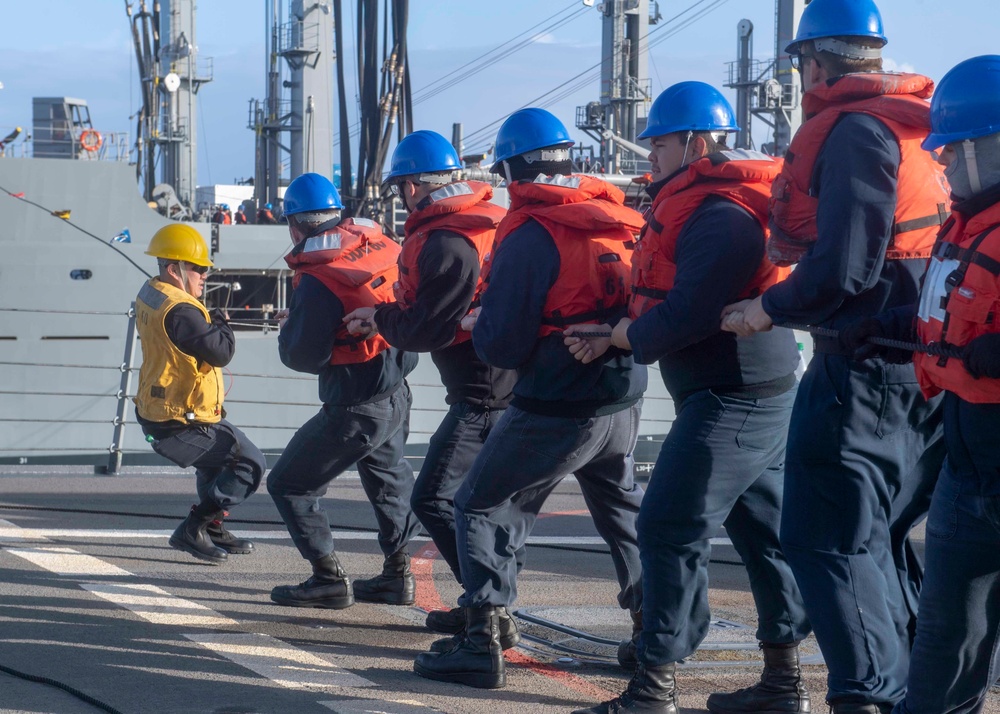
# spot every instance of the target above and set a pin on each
(83, 49)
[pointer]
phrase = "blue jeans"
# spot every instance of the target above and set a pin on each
(228, 467)
(452, 451)
(956, 656)
(721, 464)
(370, 435)
(864, 451)
(524, 457)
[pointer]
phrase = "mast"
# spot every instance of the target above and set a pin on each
(171, 73)
(625, 85)
(768, 90)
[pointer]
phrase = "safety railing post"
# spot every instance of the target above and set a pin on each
(115, 459)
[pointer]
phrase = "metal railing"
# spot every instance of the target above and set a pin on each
(123, 393)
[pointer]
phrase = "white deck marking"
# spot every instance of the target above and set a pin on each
(379, 706)
(156, 605)
(280, 662)
(268, 657)
(66, 561)
(14, 533)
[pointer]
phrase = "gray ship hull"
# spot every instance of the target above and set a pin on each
(63, 339)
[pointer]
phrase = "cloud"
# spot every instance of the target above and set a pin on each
(544, 38)
(891, 65)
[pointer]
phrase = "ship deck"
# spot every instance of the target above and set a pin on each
(94, 598)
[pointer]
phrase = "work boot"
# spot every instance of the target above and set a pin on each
(226, 540)
(509, 634)
(477, 661)
(450, 622)
(329, 587)
(652, 690)
(628, 650)
(780, 690)
(395, 586)
(191, 536)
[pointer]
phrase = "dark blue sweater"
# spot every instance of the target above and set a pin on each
(717, 253)
(550, 380)
(306, 341)
(845, 276)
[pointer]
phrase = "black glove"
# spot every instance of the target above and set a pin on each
(981, 357)
(854, 338)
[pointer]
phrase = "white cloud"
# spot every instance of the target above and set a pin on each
(891, 65)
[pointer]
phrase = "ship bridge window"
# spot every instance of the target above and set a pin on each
(80, 274)
(251, 297)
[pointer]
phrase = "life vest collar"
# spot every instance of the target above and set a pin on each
(859, 86)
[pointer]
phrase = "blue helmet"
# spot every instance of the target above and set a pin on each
(423, 152)
(689, 106)
(225, 206)
(836, 18)
(529, 129)
(966, 105)
(268, 206)
(310, 192)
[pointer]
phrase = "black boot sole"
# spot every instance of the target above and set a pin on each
(327, 603)
(230, 548)
(479, 680)
(384, 598)
(191, 550)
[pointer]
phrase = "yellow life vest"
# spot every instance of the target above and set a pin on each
(173, 386)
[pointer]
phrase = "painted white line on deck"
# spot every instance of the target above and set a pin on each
(380, 706)
(280, 662)
(156, 605)
(15, 533)
(66, 561)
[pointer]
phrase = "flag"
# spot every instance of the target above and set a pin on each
(19, 194)
(61, 214)
(123, 237)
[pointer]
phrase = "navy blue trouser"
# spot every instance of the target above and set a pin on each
(228, 466)
(524, 457)
(450, 454)
(721, 464)
(956, 655)
(864, 452)
(370, 435)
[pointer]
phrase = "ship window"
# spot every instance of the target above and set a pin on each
(81, 274)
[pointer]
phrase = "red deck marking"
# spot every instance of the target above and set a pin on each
(428, 598)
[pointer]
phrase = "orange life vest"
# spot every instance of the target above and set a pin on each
(743, 177)
(899, 102)
(593, 231)
(960, 301)
(462, 208)
(357, 263)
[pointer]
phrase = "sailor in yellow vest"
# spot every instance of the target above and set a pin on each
(179, 402)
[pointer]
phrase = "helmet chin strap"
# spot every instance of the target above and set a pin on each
(971, 166)
(687, 143)
(184, 277)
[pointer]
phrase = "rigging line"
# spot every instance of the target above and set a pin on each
(429, 91)
(100, 240)
(486, 64)
(597, 65)
(495, 49)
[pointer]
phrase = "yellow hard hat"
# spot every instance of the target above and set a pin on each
(179, 242)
